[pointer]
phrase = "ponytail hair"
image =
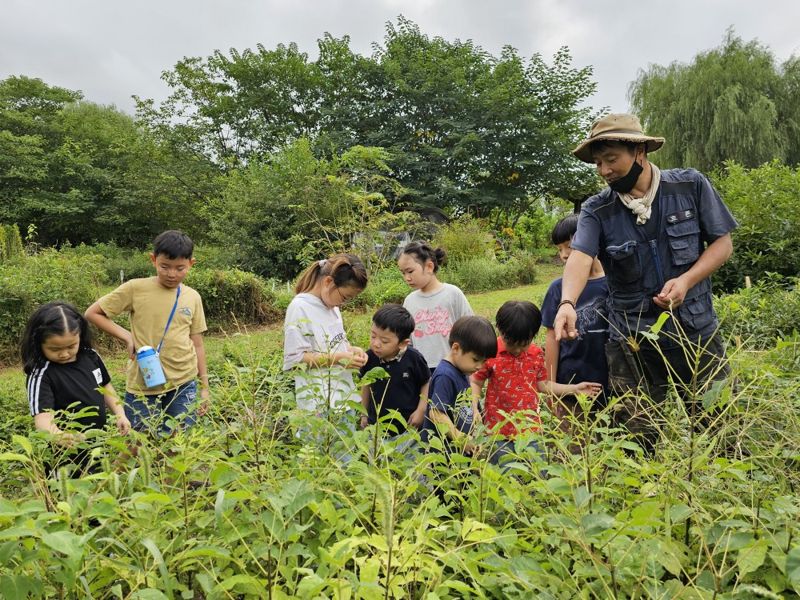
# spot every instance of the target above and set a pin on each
(423, 253)
(347, 270)
(53, 318)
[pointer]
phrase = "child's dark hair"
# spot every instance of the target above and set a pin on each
(564, 230)
(474, 334)
(423, 253)
(518, 321)
(346, 269)
(395, 318)
(173, 244)
(53, 318)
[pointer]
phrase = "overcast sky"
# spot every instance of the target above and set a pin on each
(111, 50)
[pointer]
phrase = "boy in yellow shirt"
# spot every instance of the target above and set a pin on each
(150, 301)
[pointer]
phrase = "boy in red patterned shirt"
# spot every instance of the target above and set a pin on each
(516, 376)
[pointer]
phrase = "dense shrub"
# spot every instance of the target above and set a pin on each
(521, 268)
(234, 296)
(762, 314)
(10, 243)
(384, 286)
(485, 274)
(465, 239)
(116, 264)
(764, 202)
(31, 281)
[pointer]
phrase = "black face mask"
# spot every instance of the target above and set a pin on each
(625, 184)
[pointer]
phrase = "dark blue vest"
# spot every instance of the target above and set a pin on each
(639, 259)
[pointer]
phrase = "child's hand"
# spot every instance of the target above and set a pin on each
(471, 448)
(359, 356)
(123, 424)
(416, 419)
(589, 388)
(364, 422)
(205, 401)
(355, 358)
(131, 345)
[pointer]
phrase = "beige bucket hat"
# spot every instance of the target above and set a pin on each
(619, 127)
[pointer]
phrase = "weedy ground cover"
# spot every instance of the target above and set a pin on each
(260, 501)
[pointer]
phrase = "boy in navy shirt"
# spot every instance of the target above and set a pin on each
(406, 388)
(584, 358)
(472, 340)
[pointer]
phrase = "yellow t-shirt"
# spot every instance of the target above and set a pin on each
(149, 304)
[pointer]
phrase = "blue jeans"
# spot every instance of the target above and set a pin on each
(151, 412)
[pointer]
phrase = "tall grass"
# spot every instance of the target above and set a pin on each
(260, 501)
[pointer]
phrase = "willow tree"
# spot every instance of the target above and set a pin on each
(731, 103)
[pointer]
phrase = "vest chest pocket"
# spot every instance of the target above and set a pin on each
(684, 241)
(626, 269)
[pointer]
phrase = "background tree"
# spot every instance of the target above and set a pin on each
(82, 172)
(731, 103)
(465, 130)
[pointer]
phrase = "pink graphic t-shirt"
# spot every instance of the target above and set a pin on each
(434, 315)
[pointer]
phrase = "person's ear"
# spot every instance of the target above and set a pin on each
(404, 343)
(192, 261)
(153, 258)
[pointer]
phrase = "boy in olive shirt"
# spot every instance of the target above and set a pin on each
(149, 301)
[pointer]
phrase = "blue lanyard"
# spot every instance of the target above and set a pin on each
(171, 314)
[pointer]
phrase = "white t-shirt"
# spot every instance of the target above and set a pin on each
(310, 326)
(434, 315)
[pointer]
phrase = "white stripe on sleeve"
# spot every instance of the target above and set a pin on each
(34, 385)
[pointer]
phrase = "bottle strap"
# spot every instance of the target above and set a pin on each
(169, 320)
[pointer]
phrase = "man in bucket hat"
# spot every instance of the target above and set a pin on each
(659, 235)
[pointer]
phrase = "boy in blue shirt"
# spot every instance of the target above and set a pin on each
(584, 358)
(472, 340)
(406, 388)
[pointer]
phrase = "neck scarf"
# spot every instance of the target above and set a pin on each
(641, 207)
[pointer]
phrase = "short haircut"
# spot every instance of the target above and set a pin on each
(173, 244)
(601, 145)
(474, 334)
(564, 230)
(395, 318)
(518, 321)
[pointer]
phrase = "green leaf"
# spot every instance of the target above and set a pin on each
(597, 522)
(159, 560)
(793, 568)
(219, 506)
(662, 318)
(149, 594)
(245, 584)
(24, 442)
(65, 542)
(12, 456)
(669, 557)
(752, 557)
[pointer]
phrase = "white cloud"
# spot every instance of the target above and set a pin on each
(112, 50)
